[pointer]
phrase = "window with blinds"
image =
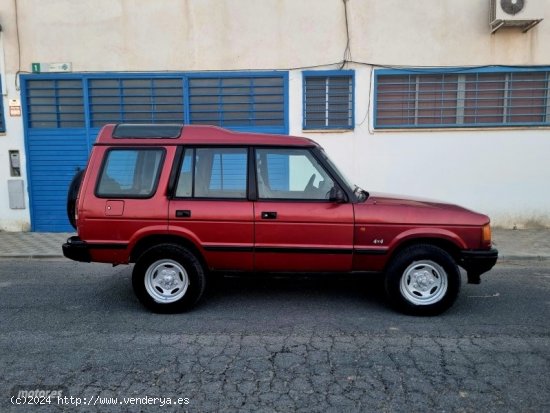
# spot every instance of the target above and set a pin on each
(328, 99)
(248, 101)
(55, 103)
(461, 99)
(237, 101)
(136, 100)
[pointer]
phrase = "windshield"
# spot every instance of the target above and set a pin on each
(360, 193)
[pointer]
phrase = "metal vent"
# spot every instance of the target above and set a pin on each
(512, 6)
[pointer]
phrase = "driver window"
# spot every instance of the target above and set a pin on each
(291, 174)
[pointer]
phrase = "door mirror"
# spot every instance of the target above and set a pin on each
(337, 195)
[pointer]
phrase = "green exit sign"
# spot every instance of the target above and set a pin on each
(52, 67)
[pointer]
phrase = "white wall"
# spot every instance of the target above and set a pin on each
(267, 34)
(12, 219)
(502, 172)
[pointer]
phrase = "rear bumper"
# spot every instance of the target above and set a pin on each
(477, 262)
(77, 250)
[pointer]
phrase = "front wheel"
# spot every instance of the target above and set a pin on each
(422, 280)
(168, 279)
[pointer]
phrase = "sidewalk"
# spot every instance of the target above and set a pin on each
(520, 244)
(32, 244)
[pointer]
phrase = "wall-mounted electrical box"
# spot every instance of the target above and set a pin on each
(15, 163)
(16, 193)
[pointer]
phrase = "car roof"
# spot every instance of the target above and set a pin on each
(177, 134)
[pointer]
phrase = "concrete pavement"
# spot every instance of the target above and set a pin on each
(530, 244)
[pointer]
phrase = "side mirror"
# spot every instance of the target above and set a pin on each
(337, 195)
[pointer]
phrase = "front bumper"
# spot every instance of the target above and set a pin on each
(77, 250)
(477, 262)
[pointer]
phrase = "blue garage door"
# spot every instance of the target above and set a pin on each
(57, 146)
(63, 114)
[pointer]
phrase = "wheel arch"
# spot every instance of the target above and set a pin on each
(151, 241)
(445, 244)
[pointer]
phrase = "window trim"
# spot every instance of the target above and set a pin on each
(326, 74)
(463, 72)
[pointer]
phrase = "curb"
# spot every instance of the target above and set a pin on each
(30, 257)
(523, 257)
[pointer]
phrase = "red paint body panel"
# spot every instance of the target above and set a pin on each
(221, 228)
(310, 236)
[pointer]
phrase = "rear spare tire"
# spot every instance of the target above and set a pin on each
(74, 187)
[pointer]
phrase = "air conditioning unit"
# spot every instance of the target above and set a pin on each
(524, 14)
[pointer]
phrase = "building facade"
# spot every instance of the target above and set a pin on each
(423, 98)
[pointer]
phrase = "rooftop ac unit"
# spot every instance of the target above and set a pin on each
(524, 14)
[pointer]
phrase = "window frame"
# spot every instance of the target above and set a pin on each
(156, 181)
(460, 104)
(327, 74)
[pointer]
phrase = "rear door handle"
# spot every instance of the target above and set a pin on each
(269, 215)
(183, 213)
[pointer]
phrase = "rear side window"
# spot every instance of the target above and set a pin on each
(130, 173)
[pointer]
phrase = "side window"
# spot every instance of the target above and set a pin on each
(130, 173)
(291, 174)
(213, 173)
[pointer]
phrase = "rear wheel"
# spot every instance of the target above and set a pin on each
(168, 278)
(423, 280)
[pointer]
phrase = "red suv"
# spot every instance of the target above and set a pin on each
(182, 202)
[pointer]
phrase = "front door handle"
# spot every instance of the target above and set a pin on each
(269, 215)
(183, 213)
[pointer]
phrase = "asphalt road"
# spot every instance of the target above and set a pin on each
(272, 345)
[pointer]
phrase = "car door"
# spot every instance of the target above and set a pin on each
(297, 226)
(210, 206)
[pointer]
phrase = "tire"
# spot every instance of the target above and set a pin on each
(422, 280)
(168, 279)
(72, 194)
